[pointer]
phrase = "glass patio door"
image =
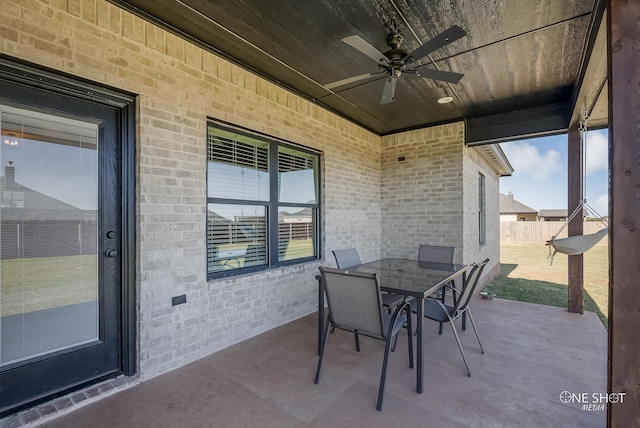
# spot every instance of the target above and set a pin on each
(48, 235)
(60, 229)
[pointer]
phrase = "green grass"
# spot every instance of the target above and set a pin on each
(37, 283)
(527, 276)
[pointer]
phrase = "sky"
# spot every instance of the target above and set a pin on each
(64, 172)
(539, 179)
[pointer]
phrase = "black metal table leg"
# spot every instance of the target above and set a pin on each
(320, 312)
(419, 321)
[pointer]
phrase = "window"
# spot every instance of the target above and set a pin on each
(262, 203)
(482, 211)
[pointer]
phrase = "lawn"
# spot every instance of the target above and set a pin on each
(32, 284)
(526, 275)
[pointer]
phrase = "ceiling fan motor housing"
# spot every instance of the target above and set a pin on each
(394, 40)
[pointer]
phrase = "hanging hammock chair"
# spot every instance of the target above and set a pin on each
(578, 244)
(575, 245)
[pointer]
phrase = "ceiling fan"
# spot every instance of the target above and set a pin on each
(396, 61)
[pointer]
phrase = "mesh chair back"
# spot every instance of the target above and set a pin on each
(354, 300)
(436, 253)
(347, 258)
(470, 285)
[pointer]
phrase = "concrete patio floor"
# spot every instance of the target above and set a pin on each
(533, 354)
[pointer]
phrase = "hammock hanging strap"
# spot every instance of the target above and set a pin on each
(578, 244)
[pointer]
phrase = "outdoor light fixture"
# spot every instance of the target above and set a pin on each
(445, 100)
(11, 140)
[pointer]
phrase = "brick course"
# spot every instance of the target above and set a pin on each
(366, 192)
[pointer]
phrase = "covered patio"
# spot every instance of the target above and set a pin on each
(533, 354)
(192, 345)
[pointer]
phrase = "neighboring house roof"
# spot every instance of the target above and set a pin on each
(508, 205)
(19, 202)
(214, 217)
(553, 213)
(302, 214)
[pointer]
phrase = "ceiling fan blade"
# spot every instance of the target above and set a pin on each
(358, 43)
(441, 40)
(348, 80)
(445, 76)
(389, 91)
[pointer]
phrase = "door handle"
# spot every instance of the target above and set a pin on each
(111, 253)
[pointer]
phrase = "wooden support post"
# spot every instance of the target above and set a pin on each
(624, 209)
(575, 226)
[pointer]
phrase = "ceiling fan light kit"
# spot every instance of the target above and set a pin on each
(396, 61)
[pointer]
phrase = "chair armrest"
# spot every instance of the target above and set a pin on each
(452, 288)
(394, 318)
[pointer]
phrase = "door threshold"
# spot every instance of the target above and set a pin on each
(59, 406)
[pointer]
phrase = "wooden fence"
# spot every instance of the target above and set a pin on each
(542, 231)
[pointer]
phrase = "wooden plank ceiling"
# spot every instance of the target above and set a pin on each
(516, 56)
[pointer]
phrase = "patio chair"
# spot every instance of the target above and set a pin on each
(350, 257)
(436, 310)
(438, 254)
(347, 258)
(355, 304)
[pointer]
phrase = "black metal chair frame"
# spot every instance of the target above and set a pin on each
(438, 311)
(387, 330)
(439, 254)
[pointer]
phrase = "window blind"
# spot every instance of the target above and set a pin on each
(228, 151)
(288, 162)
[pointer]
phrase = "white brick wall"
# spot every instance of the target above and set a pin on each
(422, 195)
(474, 165)
(432, 196)
(367, 195)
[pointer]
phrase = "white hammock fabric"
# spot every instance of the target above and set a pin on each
(574, 245)
(578, 244)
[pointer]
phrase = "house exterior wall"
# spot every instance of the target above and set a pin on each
(366, 192)
(473, 165)
(519, 217)
(508, 217)
(422, 195)
(432, 196)
(179, 85)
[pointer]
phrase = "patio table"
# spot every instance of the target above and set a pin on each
(412, 278)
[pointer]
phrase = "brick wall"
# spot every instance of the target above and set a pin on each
(432, 196)
(179, 85)
(473, 165)
(365, 194)
(421, 195)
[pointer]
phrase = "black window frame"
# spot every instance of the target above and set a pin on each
(272, 204)
(482, 210)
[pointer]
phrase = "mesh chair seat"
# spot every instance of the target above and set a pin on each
(390, 300)
(433, 310)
